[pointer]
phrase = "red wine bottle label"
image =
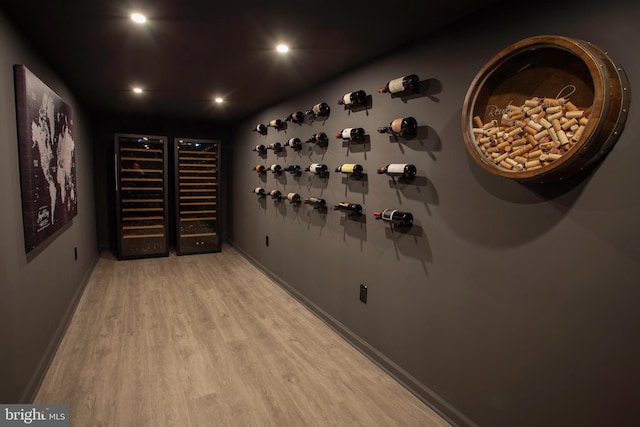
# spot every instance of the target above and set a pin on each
(346, 133)
(274, 168)
(346, 100)
(317, 109)
(293, 197)
(396, 85)
(259, 190)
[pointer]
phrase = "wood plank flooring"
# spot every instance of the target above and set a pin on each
(209, 340)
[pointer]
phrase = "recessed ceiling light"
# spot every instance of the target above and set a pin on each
(282, 48)
(137, 90)
(219, 100)
(138, 18)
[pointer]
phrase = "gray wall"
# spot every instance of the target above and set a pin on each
(38, 291)
(505, 305)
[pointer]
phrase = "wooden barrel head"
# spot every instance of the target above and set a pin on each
(508, 109)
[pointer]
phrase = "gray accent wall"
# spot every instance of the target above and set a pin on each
(39, 290)
(506, 304)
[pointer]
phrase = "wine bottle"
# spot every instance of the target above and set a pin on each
(293, 143)
(317, 168)
(260, 191)
(319, 110)
(297, 117)
(358, 97)
(261, 129)
(404, 126)
(319, 138)
(403, 170)
(276, 123)
(294, 169)
(400, 218)
(275, 168)
(275, 194)
(351, 208)
(316, 202)
(402, 84)
(260, 148)
(351, 169)
(275, 146)
(351, 134)
(293, 197)
(260, 169)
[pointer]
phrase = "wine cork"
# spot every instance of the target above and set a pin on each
(520, 151)
(491, 131)
(530, 130)
(534, 154)
(569, 106)
(491, 124)
(520, 159)
(554, 109)
(556, 124)
(534, 110)
(583, 121)
(511, 161)
(477, 121)
(535, 125)
(567, 125)
(531, 140)
(502, 145)
(519, 142)
(534, 102)
(577, 114)
(541, 134)
(563, 137)
(554, 116)
(553, 134)
(506, 165)
(578, 134)
(532, 163)
(501, 157)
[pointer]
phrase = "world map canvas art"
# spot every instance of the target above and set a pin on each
(47, 158)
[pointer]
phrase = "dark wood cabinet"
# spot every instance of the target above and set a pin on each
(141, 196)
(196, 196)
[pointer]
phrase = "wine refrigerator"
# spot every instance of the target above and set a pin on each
(196, 195)
(141, 196)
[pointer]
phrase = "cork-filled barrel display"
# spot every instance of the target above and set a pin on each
(545, 108)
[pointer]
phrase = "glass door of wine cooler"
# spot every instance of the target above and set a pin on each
(196, 171)
(141, 196)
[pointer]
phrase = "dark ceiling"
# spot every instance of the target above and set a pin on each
(192, 50)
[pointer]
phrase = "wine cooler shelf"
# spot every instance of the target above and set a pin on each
(142, 196)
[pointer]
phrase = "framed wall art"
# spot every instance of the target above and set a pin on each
(47, 158)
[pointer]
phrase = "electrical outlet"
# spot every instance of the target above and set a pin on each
(363, 293)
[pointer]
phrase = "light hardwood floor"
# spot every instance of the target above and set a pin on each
(209, 340)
